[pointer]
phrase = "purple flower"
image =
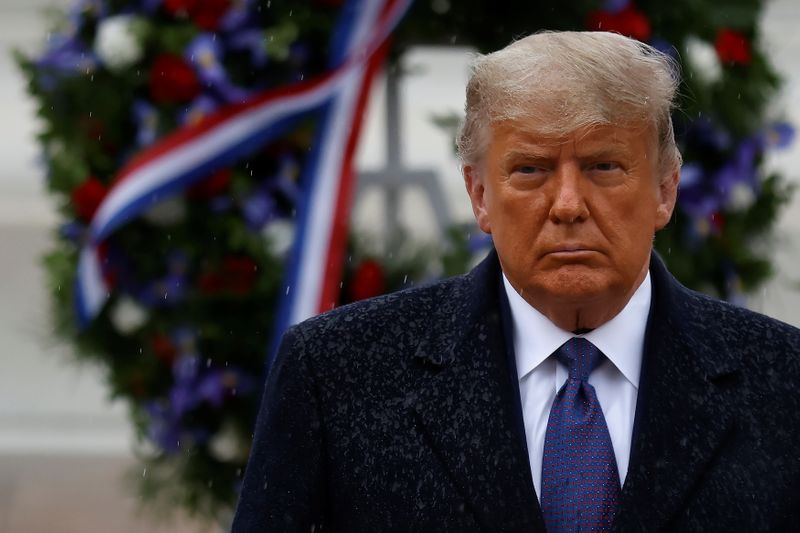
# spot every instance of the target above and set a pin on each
(238, 15)
(185, 339)
(145, 116)
(220, 204)
(164, 292)
(205, 54)
(780, 135)
(165, 429)
(252, 41)
(216, 385)
(693, 196)
(704, 134)
(259, 209)
(615, 6)
(73, 231)
(150, 6)
(284, 182)
(68, 56)
(201, 107)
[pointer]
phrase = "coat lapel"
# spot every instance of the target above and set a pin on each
(465, 406)
(681, 419)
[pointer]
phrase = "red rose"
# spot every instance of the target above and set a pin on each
(172, 80)
(180, 8)
(717, 222)
(368, 281)
(236, 275)
(206, 14)
(214, 185)
(732, 47)
(164, 348)
(629, 22)
(87, 197)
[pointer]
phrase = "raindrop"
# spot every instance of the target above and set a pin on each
(208, 362)
(144, 472)
(405, 279)
(287, 289)
(290, 12)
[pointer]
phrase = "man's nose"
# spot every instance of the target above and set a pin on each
(569, 202)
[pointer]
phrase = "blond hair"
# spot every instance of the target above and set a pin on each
(558, 82)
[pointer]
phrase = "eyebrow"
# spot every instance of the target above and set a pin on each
(616, 150)
(532, 153)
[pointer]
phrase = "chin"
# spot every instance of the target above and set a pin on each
(577, 283)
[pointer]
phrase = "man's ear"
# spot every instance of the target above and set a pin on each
(667, 196)
(477, 196)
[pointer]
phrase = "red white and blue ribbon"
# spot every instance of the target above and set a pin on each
(173, 164)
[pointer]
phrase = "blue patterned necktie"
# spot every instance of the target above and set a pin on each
(580, 480)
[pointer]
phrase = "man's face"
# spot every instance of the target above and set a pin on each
(572, 219)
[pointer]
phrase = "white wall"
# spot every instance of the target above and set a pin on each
(49, 404)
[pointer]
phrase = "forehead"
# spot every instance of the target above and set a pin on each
(636, 139)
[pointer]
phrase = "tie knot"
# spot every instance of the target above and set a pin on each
(580, 356)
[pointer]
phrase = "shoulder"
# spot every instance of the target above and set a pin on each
(397, 318)
(756, 337)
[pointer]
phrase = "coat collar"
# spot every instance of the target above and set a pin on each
(467, 404)
(683, 410)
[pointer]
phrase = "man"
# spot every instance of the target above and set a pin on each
(568, 383)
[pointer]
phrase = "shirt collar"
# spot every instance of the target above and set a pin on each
(621, 339)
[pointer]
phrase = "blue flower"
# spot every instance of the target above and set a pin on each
(145, 116)
(615, 6)
(252, 41)
(200, 108)
(68, 56)
(780, 135)
(259, 209)
(205, 54)
(238, 15)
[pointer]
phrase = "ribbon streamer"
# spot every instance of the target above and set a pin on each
(182, 158)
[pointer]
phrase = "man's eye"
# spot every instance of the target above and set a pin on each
(528, 169)
(605, 166)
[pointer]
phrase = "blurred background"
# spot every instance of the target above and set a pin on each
(69, 453)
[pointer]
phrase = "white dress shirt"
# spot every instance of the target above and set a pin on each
(616, 380)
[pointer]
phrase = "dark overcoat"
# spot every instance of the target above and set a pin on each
(401, 413)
